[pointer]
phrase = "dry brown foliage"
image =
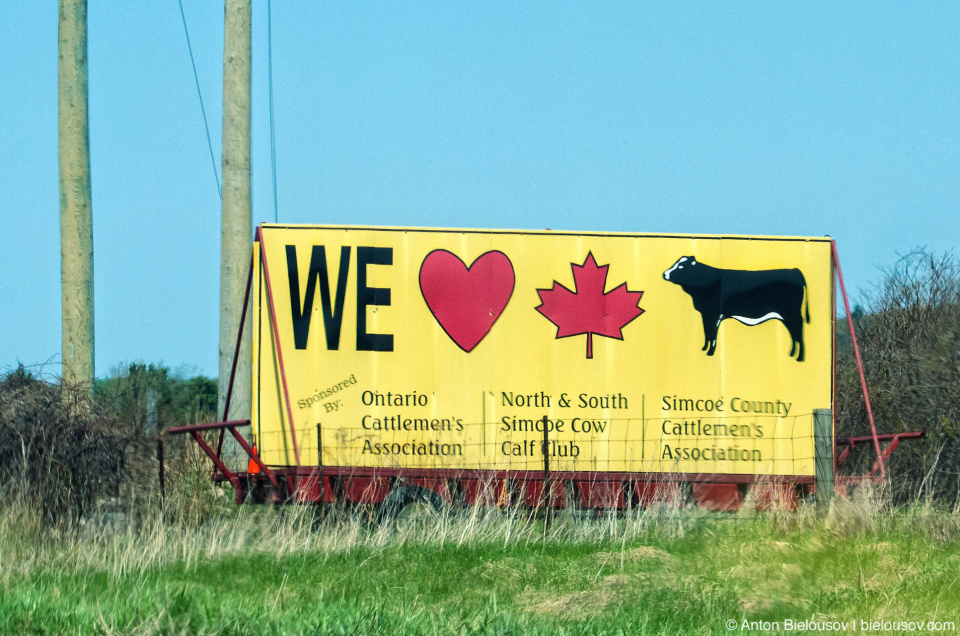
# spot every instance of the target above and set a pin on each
(58, 449)
(909, 337)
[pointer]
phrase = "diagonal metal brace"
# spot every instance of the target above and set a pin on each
(254, 455)
(231, 426)
(893, 439)
(234, 479)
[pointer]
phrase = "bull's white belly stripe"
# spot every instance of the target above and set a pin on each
(757, 321)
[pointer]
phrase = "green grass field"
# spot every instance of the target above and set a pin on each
(664, 571)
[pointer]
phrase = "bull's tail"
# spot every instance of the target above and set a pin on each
(806, 301)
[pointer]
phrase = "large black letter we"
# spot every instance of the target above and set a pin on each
(332, 318)
(367, 296)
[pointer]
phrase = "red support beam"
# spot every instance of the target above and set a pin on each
(234, 480)
(254, 455)
(886, 454)
(176, 430)
(843, 455)
(893, 438)
(856, 352)
(195, 429)
(276, 338)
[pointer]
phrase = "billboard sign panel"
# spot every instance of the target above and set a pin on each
(444, 349)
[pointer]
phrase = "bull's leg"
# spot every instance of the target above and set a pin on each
(706, 331)
(794, 325)
(710, 328)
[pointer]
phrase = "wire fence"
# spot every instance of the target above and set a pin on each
(738, 445)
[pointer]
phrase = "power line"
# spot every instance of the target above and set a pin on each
(206, 127)
(273, 138)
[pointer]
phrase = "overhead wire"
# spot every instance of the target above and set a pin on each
(206, 126)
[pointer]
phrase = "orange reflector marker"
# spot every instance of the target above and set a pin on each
(252, 467)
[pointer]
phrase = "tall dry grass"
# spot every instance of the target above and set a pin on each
(118, 544)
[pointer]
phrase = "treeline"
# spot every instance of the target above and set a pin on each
(151, 398)
(908, 330)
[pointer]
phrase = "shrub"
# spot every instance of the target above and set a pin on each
(57, 448)
(909, 338)
(66, 453)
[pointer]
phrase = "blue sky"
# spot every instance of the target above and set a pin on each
(732, 118)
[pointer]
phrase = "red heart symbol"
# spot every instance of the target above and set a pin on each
(466, 301)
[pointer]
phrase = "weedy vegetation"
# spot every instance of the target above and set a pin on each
(660, 570)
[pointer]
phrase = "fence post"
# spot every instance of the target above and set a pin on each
(320, 468)
(547, 499)
(160, 473)
(824, 471)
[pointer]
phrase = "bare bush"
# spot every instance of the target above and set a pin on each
(57, 449)
(73, 455)
(909, 337)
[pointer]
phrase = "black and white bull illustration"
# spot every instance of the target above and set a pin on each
(751, 297)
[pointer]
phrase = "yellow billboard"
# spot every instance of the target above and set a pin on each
(409, 348)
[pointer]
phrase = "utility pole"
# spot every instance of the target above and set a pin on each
(76, 218)
(236, 218)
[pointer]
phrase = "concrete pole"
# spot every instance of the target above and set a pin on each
(76, 219)
(236, 239)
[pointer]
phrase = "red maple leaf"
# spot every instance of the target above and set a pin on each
(589, 310)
